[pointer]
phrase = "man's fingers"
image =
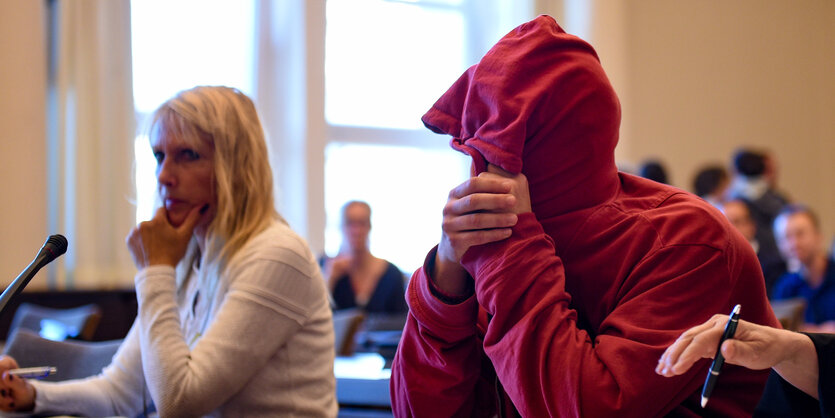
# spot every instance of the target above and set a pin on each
(672, 363)
(479, 221)
(702, 345)
(741, 353)
(472, 238)
(692, 345)
(492, 184)
(663, 362)
(672, 356)
(480, 202)
(730, 350)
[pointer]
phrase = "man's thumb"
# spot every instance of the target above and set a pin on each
(735, 351)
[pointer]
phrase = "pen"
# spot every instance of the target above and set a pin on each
(33, 372)
(718, 360)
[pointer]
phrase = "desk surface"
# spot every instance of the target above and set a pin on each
(362, 380)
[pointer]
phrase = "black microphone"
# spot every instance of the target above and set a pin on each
(54, 247)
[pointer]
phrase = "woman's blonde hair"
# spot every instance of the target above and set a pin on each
(226, 119)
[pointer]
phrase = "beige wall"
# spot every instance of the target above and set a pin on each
(698, 79)
(23, 180)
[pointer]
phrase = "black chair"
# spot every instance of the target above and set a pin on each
(72, 359)
(57, 324)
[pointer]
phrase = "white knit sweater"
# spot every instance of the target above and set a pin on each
(267, 348)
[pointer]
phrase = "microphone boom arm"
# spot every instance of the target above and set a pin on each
(54, 247)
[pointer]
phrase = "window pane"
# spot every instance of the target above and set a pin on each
(180, 44)
(177, 45)
(406, 187)
(146, 181)
(387, 62)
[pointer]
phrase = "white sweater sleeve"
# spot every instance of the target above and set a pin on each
(116, 391)
(268, 300)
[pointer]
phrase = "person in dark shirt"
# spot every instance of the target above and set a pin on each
(772, 264)
(356, 277)
(798, 230)
(752, 183)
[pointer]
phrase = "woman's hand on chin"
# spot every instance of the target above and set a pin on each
(157, 242)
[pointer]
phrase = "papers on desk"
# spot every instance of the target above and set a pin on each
(368, 366)
(362, 380)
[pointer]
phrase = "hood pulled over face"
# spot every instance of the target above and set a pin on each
(538, 103)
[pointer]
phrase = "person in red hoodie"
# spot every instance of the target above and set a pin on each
(558, 281)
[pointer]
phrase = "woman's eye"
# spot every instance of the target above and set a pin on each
(159, 157)
(190, 155)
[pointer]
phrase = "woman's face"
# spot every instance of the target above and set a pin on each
(356, 225)
(185, 175)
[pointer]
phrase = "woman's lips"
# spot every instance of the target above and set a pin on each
(174, 203)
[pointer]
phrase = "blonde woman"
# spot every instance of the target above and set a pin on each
(233, 313)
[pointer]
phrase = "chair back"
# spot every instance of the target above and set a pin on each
(73, 359)
(346, 323)
(789, 312)
(57, 324)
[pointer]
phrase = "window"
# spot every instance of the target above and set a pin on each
(177, 45)
(406, 188)
(386, 62)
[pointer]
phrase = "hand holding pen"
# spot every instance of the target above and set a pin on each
(16, 392)
(684, 348)
(753, 346)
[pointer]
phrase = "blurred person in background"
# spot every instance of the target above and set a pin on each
(711, 184)
(750, 185)
(771, 175)
(772, 264)
(358, 279)
(655, 171)
(799, 233)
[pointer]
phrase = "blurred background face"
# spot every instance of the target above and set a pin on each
(739, 216)
(798, 237)
(356, 225)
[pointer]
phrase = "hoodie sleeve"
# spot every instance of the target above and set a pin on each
(549, 366)
(825, 347)
(436, 367)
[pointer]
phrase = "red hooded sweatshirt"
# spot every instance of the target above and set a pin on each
(571, 313)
